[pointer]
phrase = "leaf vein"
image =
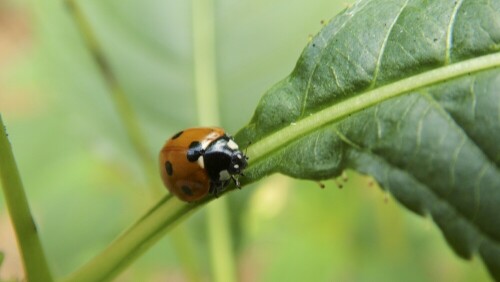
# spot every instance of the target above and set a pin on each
(454, 160)
(407, 52)
(477, 189)
(334, 74)
(318, 60)
(403, 116)
(384, 43)
(420, 126)
(449, 35)
(346, 139)
(352, 62)
(316, 146)
(377, 121)
(474, 97)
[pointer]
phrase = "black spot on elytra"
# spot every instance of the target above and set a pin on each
(195, 151)
(194, 144)
(177, 135)
(168, 168)
(187, 190)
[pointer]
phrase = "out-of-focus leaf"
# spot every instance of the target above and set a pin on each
(406, 91)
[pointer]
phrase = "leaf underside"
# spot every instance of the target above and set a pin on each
(435, 148)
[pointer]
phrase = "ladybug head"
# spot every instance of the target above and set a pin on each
(238, 163)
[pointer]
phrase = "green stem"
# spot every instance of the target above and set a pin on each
(122, 104)
(221, 251)
(180, 237)
(136, 240)
(221, 247)
(205, 71)
(278, 139)
(35, 263)
(185, 249)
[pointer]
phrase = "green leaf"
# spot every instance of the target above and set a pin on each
(405, 91)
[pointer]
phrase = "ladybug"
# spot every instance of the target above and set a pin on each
(200, 161)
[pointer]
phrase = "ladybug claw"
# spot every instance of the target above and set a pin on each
(236, 182)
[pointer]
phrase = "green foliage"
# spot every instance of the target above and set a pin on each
(432, 141)
(399, 72)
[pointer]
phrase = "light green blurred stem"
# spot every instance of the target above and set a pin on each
(135, 241)
(181, 239)
(35, 264)
(185, 248)
(205, 70)
(123, 106)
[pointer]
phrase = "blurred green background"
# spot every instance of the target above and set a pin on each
(84, 181)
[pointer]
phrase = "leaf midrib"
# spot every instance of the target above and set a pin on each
(278, 139)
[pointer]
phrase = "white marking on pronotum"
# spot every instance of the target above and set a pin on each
(231, 144)
(205, 144)
(224, 175)
(201, 162)
(236, 166)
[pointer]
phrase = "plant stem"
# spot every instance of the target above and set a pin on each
(221, 247)
(129, 120)
(180, 238)
(276, 140)
(35, 264)
(185, 248)
(205, 70)
(123, 106)
(222, 256)
(136, 240)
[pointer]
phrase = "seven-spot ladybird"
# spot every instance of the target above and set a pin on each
(200, 161)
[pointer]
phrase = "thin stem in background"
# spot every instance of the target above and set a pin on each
(135, 241)
(35, 263)
(180, 237)
(123, 106)
(205, 70)
(185, 249)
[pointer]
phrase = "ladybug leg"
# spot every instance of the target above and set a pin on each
(216, 188)
(236, 181)
(213, 190)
